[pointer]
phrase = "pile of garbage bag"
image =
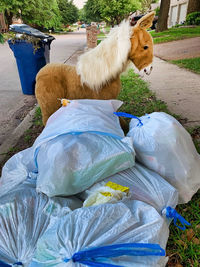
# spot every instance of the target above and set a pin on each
(87, 195)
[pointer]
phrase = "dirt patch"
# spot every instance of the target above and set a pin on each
(26, 141)
(10, 120)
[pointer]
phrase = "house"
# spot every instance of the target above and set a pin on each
(177, 12)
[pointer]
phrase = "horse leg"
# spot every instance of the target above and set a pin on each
(48, 91)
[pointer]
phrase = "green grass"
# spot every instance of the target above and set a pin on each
(183, 246)
(101, 34)
(175, 34)
(138, 99)
(192, 64)
(38, 117)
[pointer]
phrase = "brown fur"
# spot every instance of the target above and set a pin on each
(62, 81)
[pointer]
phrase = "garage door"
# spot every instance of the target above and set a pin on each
(183, 12)
(174, 14)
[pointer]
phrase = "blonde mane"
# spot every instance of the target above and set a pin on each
(103, 63)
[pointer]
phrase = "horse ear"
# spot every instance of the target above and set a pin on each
(146, 21)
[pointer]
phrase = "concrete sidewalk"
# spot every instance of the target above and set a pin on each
(179, 88)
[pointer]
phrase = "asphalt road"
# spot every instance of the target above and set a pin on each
(14, 105)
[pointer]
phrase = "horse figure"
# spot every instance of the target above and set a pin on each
(97, 73)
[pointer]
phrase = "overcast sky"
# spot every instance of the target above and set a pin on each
(79, 3)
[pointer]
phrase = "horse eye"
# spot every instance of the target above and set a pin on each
(146, 47)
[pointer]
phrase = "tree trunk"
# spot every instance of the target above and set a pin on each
(112, 23)
(193, 6)
(8, 17)
(117, 18)
(163, 16)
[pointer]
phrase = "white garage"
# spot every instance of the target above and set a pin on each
(178, 12)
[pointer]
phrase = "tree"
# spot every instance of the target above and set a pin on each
(114, 11)
(10, 8)
(45, 15)
(68, 11)
(193, 6)
(146, 5)
(163, 16)
(92, 11)
(82, 15)
(40, 13)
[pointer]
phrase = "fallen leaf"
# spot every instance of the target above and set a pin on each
(196, 241)
(190, 234)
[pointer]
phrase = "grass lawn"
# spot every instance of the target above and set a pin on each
(183, 246)
(192, 64)
(101, 35)
(138, 99)
(175, 34)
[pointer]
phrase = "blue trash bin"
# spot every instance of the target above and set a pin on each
(29, 62)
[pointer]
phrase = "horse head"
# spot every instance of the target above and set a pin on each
(141, 52)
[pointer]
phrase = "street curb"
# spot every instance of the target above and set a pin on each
(13, 138)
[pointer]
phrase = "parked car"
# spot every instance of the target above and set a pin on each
(134, 20)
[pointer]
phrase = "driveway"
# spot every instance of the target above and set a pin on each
(14, 105)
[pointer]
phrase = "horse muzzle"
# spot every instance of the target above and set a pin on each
(147, 70)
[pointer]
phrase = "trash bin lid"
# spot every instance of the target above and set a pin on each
(25, 29)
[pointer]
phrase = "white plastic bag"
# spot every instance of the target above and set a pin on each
(82, 143)
(163, 145)
(16, 170)
(24, 216)
(144, 185)
(103, 225)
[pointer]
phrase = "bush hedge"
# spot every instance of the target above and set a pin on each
(193, 18)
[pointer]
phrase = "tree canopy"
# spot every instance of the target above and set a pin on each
(146, 4)
(92, 11)
(115, 11)
(40, 13)
(68, 11)
(112, 11)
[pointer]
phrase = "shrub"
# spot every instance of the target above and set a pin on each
(198, 21)
(193, 18)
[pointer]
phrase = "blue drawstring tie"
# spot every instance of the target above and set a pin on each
(173, 214)
(98, 256)
(127, 115)
(3, 264)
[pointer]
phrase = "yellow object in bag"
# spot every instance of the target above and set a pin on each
(109, 193)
